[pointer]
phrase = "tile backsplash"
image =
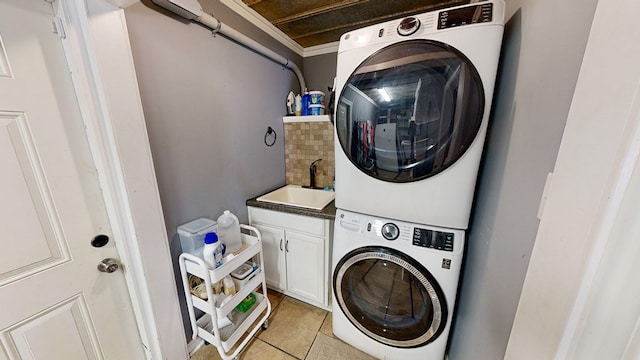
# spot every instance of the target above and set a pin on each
(305, 142)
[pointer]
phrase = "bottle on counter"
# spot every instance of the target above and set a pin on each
(212, 252)
(229, 231)
(306, 101)
(298, 106)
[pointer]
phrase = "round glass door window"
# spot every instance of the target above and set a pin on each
(410, 110)
(390, 297)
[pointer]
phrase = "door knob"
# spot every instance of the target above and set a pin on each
(108, 265)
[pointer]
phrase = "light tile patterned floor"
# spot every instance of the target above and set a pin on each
(296, 331)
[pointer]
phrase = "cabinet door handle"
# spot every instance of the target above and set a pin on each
(280, 244)
(286, 246)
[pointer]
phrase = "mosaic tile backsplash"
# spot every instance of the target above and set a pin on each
(305, 142)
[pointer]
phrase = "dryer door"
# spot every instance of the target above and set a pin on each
(410, 110)
(390, 297)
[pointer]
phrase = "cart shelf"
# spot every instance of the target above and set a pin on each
(218, 307)
(229, 335)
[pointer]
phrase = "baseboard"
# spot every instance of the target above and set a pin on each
(195, 345)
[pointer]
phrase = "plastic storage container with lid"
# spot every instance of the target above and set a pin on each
(316, 97)
(229, 231)
(192, 234)
(316, 109)
(243, 274)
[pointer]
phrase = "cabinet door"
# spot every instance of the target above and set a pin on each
(274, 256)
(305, 265)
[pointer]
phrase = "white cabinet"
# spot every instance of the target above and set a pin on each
(296, 254)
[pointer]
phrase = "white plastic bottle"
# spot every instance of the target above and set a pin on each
(212, 252)
(229, 231)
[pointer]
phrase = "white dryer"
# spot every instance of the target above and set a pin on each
(413, 101)
(394, 285)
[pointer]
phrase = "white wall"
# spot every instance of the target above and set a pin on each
(543, 46)
(580, 296)
(207, 103)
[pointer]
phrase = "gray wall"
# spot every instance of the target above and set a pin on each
(542, 51)
(319, 72)
(208, 103)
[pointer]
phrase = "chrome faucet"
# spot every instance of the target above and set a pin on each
(312, 174)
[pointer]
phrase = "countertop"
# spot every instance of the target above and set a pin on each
(328, 212)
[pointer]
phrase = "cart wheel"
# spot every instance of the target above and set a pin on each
(265, 325)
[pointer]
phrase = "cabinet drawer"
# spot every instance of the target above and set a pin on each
(304, 224)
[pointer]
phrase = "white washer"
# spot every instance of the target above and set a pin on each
(394, 285)
(413, 101)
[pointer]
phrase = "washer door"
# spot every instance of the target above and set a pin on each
(410, 110)
(390, 297)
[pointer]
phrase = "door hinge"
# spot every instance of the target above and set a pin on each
(58, 27)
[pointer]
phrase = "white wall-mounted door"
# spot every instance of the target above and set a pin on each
(55, 303)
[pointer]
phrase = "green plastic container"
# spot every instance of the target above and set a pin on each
(247, 303)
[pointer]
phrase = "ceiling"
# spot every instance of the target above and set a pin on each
(318, 22)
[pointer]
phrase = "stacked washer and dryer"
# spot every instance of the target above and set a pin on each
(413, 102)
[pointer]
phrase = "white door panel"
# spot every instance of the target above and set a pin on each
(56, 305)
(32, 337)
(305, 270)
(30, 214)
(273, 254)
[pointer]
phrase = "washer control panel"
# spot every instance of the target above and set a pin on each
(400, 235)
(465, 16)
(433, 239)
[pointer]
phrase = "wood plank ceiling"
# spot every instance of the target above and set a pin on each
(317, 22)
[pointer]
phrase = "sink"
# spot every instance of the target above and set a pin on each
(296, 195)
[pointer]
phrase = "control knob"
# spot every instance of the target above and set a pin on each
(390, 231)
(408, 26)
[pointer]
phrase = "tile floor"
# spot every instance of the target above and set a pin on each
(296, 331)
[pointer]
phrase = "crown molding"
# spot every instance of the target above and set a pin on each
(321, 49)
(252, 16)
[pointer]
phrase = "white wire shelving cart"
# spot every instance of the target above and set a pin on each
(210, 326)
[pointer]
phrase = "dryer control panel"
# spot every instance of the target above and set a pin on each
(433, 239)
(465, 16)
